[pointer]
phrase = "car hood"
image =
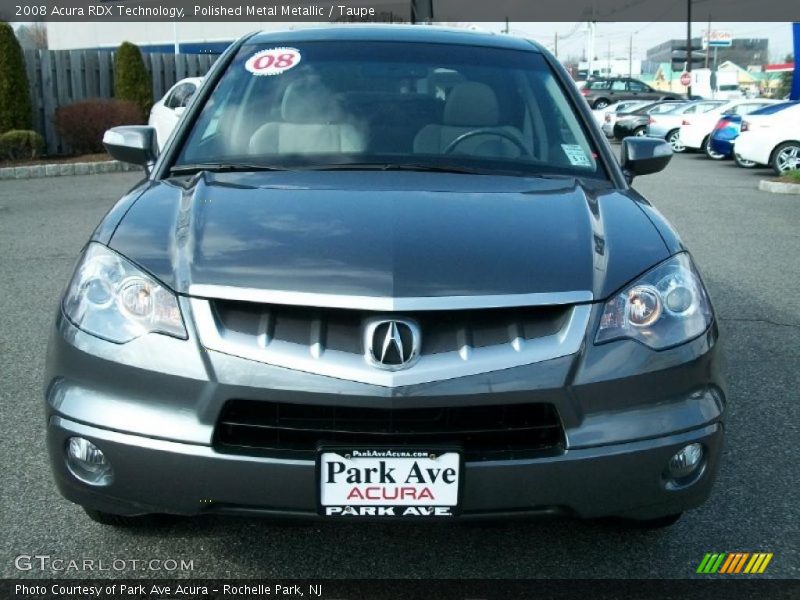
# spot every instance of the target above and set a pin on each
(389, 234)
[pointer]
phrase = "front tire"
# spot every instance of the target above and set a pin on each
(657, 523)
(113, 520)
(640, 131)
(712, 154)
(600, 103)
(745, 164)
(704, 144)
(786, 158)
(674, 140)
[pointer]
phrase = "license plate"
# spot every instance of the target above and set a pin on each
(389, 483)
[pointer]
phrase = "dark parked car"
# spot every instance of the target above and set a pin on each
(600, 92)
(386, 272)
(634, 123)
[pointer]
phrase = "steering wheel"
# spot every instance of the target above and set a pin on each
(475, 132)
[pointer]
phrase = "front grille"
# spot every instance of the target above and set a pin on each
(483, 432)
(341, 329)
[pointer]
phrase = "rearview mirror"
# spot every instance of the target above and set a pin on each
(134, 144)
(643, 155)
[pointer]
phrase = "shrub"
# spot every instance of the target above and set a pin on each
(20, 144)
(15, 101)
(82, 125)
(131, 80)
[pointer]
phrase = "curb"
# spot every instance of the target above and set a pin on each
(778, 187)
(65, 169)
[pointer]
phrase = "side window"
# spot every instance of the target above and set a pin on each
(691, 110)
(618, 86)
(636, 86)
(180, 95)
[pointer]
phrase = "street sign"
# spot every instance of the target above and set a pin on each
(686, 79)
(717, 39)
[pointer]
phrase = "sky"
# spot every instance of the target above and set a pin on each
(617, 36)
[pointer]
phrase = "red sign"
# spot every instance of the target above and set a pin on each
(686, 78)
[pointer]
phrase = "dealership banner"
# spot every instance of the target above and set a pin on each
(390, 10)
(397, 589)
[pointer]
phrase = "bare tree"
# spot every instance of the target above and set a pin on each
(32, 36)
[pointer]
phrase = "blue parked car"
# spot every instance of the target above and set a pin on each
(720, 145)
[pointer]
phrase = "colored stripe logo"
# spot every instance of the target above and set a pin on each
(731, 563)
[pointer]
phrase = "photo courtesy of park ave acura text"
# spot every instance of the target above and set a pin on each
(484, 299)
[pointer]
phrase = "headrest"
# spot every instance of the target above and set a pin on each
(471, 104)
(306, 102)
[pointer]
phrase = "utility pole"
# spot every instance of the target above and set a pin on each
(506, 29)
(689, 46)
(708, 38)
(630, 56)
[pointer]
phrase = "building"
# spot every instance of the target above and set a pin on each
(743, 51)
(614, 67)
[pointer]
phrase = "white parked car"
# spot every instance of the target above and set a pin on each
(772, 140)
(165, 113)
(696, 129)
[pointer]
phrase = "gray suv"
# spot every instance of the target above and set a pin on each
(385, 273)
(600, 92)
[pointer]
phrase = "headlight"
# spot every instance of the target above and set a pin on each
(668, 305)
(111, 298)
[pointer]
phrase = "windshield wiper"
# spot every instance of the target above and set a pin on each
(221, 168)
(354, 166)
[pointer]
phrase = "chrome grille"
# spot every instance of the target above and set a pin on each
(341, 330)
(461, 336)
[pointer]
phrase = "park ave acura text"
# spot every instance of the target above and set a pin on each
(385, 272)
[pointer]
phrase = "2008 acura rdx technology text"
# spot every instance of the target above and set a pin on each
(385, 272)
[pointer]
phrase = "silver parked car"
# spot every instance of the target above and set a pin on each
(392, 272)
(668, 125)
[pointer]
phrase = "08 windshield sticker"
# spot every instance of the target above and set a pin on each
(273, 61)
(576, 156)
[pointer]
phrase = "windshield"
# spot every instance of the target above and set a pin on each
(386, 104)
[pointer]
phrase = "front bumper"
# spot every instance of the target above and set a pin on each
(750, 147)
(720, 146)
(692, 137)
(151, 406)
(153, 476)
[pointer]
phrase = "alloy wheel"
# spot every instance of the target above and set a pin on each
(787, 158)
(674, 140)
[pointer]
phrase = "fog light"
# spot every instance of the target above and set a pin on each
(87, 462)
(685, 461)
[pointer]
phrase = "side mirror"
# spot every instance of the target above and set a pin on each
(642, 155)
(179, 110)
(135, 144)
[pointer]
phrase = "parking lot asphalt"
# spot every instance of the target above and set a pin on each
(747, 244)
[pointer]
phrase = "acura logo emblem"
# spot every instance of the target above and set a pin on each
(392, 343)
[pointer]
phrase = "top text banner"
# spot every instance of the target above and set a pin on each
(440, 11)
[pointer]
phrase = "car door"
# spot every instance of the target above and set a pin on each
(618, 90)
(640, 90)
